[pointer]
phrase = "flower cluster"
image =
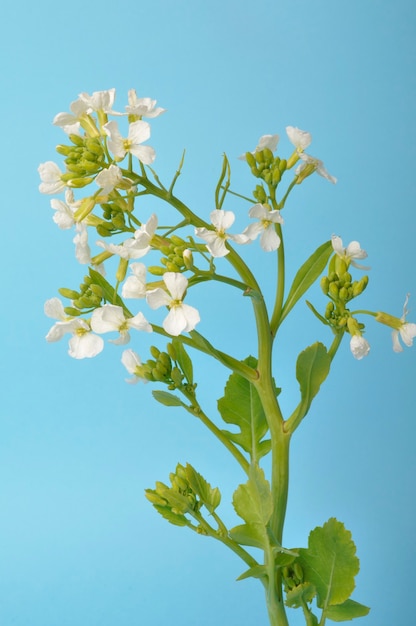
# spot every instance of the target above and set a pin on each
(115, 161)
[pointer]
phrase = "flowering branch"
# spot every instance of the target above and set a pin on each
(113, 157)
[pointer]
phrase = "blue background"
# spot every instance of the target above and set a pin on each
(79, 543)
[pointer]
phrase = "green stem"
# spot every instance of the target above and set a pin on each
(196, 411)
(280, 287)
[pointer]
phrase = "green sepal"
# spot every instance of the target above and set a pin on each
(303, 593)
(166, 398)
(306, 276)
(209, 496)
(241, 406)
(184, 360)
(346, 611)
(283, 557)
(258, 571)
(330, 563)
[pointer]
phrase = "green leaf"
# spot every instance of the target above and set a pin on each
(241, 406)
(183, 359)
(305, 592)
(330, 563)
(166, 398)
(108, 290)
(348, 610)
(174, 518)
(258, 571)
(250, 535)
(312, 368)
(253, 503)
(306, 276)
(210, 497)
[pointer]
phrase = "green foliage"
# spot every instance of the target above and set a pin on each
(241, 406)
(166, 398)
(307, 275)
(330, 563)
(252, 501)
(312, 368)
(346, 611)
(210, 497)
(183, 359)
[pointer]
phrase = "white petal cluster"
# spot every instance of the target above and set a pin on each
(181, 317)
(216, 238)
(265, 226)
(407, 331)
(352, 252)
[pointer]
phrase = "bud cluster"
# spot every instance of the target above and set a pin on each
(89, 296)
(84, 158)
(266, 166)
(292, 576)
(173, 259)
(179, 498)
(114, 220)
(340, 287)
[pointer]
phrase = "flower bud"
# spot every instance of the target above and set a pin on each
(156, 270)
(70, 310)
(64, 150)
(77, 140)
(359, 286)
(333, 290)
(325, 284)
(154, 498)
(154, 351)
(188, 259)
(343, 294)
(68, 293)
(79, 182)
(171, 352)
(282, 165)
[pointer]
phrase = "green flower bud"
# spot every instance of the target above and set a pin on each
(64, 150)
(329, 310)
(164, 359)
(298, 571)
(157, 375)
(76, 139)
(172, 267)
(325, 284)
(69, 310)
(85, 208)
(260, 194)
(118, 221)
(268, 155)
(259, 156)
(94, 146)
(79, 182)
(343, 294)
(359, 286)
(156, 270)
(251, 161)
(176, 376)
(89, 167)
(75, 168)
(276, 176)
(333, 290)
(177, 241)
(154, 498)
(96, 290)
(68, 293)
(154, 351)
(282, 165)
(104, 230)
(171, 351)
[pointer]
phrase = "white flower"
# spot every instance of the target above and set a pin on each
(138, 245)
(359, 346)
(132, 363)
(265, 141)
(50, 175)
(407, 331)
(64, 211)
(83, 344)
(301, 139)
(135, 286)
(216, 238)
(109, 178)
(269, 239)
(70, 122)
(82, 249)
(350, 253)
(316, 165)
(99, 101)
(144, 107)
(181, 317)
(138, 133)
(111, 318)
